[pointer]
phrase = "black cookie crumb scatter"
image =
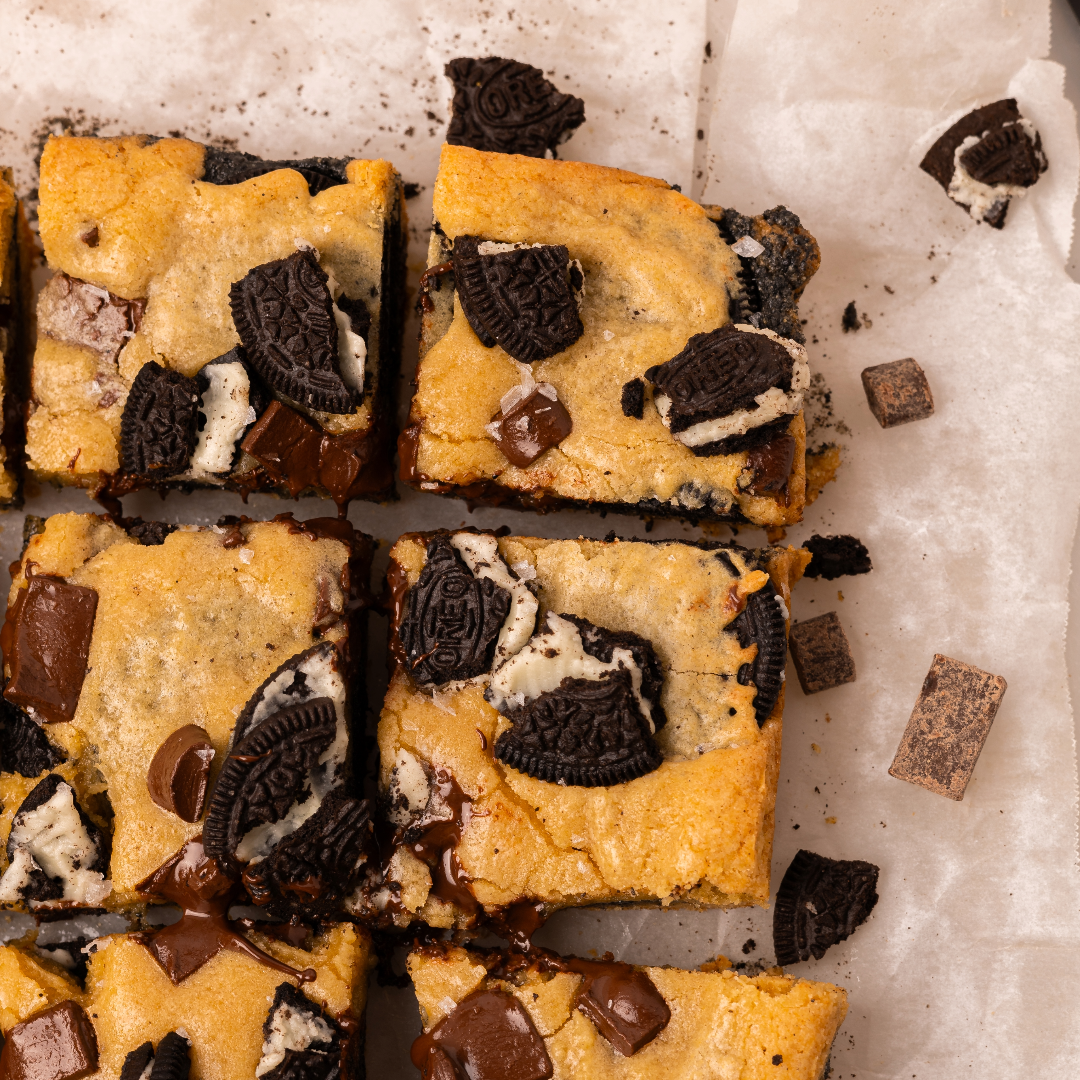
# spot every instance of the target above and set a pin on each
(159, 425)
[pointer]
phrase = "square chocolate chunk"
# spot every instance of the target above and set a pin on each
(821, 653)
(56, 1044)
(898, 392)
(948, 727)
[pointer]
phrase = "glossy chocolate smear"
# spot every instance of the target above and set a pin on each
(265, 774)
(535, 424)
(820, 901)
(522, 298)
(160, 423)
(508, 107)
(453, 619)
(234, 167)
(194, 881)
(586, 732)
(488, 1036)
(622, 1002)
(762, 623)
(24, 747)
(770, 465)
(47, 644)
(720, 373)
(179, 771)
(58, 1043)
(284, 314)
(319, 1055)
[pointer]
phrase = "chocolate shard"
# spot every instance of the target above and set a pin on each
(179, 771)
(148, 533)
(160, 423)
(234, 167)
(622, 1002)
(136, 1061)
(452, 620)
(819, 903)
(770, 465)
(315, 1054)
(898, 392)
(172, 1060)
(51, 625)
(284, 314)
(264, 775)
(58, 1043)
(948, 727)
(534, 425)
(836, 556)
(762, 623)
(821, 653)
(632, 399)
(24, 747)
(521, 299)
(488, 1036)
(508, 107)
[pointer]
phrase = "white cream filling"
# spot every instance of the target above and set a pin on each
(352, 352)
(290, 1030)
(771, 405)
(554, 654)
(978, 197)
(409, 789)
(492, 247)
(226, 404)
(54, 838)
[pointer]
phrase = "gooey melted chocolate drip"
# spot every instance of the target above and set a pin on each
(621, 1001)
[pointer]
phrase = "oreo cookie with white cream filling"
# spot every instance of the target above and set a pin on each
(230, 401)
(300, 1041)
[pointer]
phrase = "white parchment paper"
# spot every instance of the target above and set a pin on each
(964, 968)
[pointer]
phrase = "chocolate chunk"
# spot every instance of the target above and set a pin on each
(58, 1043)
(172, 1059)
(508, 107)
(160, 423)
(820, 902)
(320, 1057)
(313, 868)
(179, 770)
(948, 726)
(720, 373)
(488, 1036)
(622, 1002)
(284, 314)
(149, 533)
(136, 1061)
(264, 775)
(897, 392)
(51, 625)
(24, 747)
(633, 399)
(821, 653)
(520, 299)
(773, 281)
(770, 465)
(762, 623)
(87, 315)
(586, 733)
(453, 619)
(234, 167)
(836, 556)
(535, 424)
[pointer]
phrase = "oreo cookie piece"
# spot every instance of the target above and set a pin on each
(148, 533)
(632, 399)
(234, 167)
(762, 623)
(231, 397)
(136, 1062)
(159, 425)
(508, 107)
(820, 902)
(24, 747)
(836, 556)
(172, 1059)
(284, 314)
(300, 1041)
(518, 296)
(452, 620)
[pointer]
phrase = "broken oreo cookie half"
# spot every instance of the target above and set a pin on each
(171, 1060)
(160, 424)
(762, 623)
(234, 167)
(508, 107)
(300, 1041)
(518, 296)
(24, 747)
(820, 902)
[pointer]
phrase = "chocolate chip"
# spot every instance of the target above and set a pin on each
(761, 623)
(179, 771)
(24, 747)
(948, 726)
(821, 653)
(452, 620)
(819, 903)
(508, 107)
(136, 1061)
(149, 533)
(622, 1002)
(532, 426)
(234, 167)
(51, 625)
(520, 299)
(264, 775)
(770, 465)
(160, 423)
(90, 237)
(836, 556)
(58, 1043)
(633, 399)
(284, 315)
(897, 392)
(172, 1059)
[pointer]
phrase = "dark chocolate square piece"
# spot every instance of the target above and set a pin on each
(821, 653)
(58, 1043)
(948, 726)
(535, 424)
(898, 392)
